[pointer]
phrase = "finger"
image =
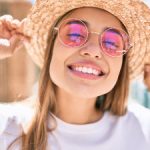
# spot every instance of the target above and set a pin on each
(7, 50)
(4, 32)
(21, 26)
(15, 23)
(6, 17)
(8, 24)
(16, 27)
(21, 36)
(11, 24)
(14, 42)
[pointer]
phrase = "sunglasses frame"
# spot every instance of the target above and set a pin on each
(121, 32)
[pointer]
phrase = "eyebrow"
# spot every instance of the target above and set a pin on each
(78, 22)
(87, 24)
(113, 30)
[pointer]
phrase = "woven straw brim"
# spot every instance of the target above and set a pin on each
(135, 15)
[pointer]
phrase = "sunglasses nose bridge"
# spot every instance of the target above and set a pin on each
(94, 32)
(93, 39)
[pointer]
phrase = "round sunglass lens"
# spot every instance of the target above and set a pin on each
(73, 33)
(113, 42)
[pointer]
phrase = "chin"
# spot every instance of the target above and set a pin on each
(88, 94)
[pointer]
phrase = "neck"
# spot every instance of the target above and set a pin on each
(75, 110)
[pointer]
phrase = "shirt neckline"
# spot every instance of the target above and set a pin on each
(90, 127)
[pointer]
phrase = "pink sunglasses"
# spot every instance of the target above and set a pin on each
(75, 33)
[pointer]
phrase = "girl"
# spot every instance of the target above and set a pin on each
(87, 50)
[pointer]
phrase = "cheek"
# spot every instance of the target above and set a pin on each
(56, 71)
(56, 65)
(59, 60)
(115, 68)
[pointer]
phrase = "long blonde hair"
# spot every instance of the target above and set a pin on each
(114, 101)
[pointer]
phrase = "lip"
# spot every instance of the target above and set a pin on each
(88, 64)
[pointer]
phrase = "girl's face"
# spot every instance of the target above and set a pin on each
(67, 60)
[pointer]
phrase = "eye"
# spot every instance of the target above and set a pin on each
(110, 45)
(75, 35)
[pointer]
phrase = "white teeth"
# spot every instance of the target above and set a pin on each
(80, 69)
(87, 70)
(90, 70)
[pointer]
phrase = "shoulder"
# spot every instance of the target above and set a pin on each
(133, 128)
(138, 111)
(139, 116)
(11, 133)
(22, 112)
(15, 119)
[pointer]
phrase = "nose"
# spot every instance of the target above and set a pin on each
(91, 48)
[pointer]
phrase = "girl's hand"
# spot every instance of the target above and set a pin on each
(11, 36)
(147, 76)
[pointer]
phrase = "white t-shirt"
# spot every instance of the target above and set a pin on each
(129, 132)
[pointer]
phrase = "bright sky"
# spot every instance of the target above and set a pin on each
(147, 2)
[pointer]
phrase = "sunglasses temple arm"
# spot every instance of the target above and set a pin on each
(125, 50)
(56, 28)
(121, 51)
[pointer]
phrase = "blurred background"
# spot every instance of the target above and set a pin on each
(19, 75)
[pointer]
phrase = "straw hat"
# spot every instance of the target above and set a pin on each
(134, 14)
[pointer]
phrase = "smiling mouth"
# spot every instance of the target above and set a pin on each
(87, 71)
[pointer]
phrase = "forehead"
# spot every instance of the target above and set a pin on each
(96, 18)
